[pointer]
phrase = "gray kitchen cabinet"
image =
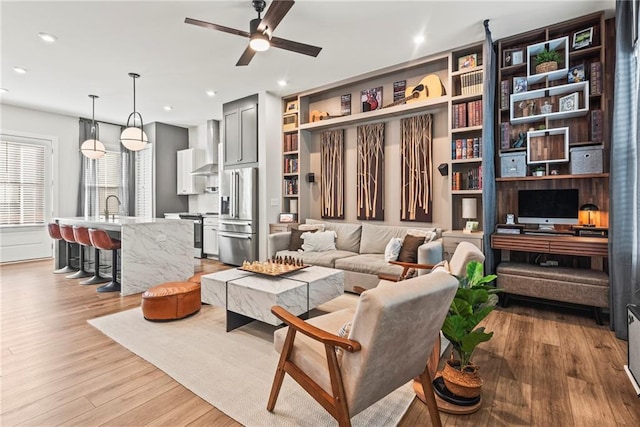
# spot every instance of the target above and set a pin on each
(241, 132)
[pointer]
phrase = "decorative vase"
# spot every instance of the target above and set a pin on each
(463, 383)
(546, 67)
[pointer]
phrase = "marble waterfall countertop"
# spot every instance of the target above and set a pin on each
(153, 250)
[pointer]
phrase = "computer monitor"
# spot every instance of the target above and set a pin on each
(548, 207)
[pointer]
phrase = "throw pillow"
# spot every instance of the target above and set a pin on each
(309, 227)
(295, 242)
(392, 250)
(441, 266)
(428, 234)
(343, 333)
(409, 250)
(320, 241)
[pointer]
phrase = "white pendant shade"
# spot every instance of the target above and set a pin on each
(134, 138)
(92, 148)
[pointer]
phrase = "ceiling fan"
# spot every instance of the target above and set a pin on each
(261, 30)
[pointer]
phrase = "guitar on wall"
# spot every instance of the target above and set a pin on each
(429, 87)
(317, 115)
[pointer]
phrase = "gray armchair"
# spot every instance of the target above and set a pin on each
(393, 331)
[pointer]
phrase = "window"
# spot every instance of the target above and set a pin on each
(22, 183)
(108, 171)
(144, 182)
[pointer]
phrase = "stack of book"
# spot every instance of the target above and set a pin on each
(509, 228)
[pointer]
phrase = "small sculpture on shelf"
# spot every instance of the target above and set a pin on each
(520, 142)
(528, 108)
(546, 108)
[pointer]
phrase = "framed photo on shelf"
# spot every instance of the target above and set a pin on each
(468, 61)
(569, 102)
(292, 106)
(398, 90)
(345, 104)
(287, 217)
(576, 74)
(371, 99)
(512, 57)
(519, 84)
(582, 38)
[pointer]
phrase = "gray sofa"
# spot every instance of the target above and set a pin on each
(359, 251)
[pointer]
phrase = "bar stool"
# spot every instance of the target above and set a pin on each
(66, 231)
(82, 237)
(54, 232)
(101, 240)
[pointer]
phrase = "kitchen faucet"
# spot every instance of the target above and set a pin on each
(106, 207)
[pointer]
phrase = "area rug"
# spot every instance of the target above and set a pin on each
(234, 371)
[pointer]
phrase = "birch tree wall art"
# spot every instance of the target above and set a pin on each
(370, 187)
(416, 168)
(332, 178)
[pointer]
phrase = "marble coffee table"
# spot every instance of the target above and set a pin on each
(249, 296)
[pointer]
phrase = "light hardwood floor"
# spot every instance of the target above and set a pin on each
(543, 367)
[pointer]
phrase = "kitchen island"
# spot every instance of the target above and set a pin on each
(153, 251)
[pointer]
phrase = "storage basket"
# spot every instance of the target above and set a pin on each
(546, 67)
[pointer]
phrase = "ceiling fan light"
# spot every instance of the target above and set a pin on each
(134, 138)
(92, 149)
(259, 42)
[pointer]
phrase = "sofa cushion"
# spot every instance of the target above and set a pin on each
(374, 238)
(348, 234)
(323, 259)
(319, 242)
(295, 241)
(369, 264)
(409, 250)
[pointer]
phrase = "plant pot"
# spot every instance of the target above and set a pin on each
(546, 67)
(538, 173)
(463, 383)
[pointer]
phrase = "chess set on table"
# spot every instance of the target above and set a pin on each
(276, 266)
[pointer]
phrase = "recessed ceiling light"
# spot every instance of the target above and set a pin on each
(167, 108)
(282, 82)
(20, 70)
(419, 39)
(49, 38)
(211, 93)
(3, 90)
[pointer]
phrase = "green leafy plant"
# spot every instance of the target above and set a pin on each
(547, 56)
(474, 300)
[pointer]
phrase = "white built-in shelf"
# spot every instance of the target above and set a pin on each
(466, 70)
(470, 160)
(559, 91)
(290, 174)
(291, 196)
(543, 137)
(470, 97)
(287, 153)
(561, 46)
(398, 110)
(467, 129)
(466, 191)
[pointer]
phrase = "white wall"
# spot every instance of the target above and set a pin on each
(205, 202)
(66, 152)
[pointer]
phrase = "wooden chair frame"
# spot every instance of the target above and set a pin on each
(335, 403)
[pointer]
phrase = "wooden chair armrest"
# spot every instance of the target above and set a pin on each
(314, 332)
(412, 265)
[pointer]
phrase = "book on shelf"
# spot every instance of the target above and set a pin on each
(504, 94)
(596, 126)
(471, 83)
(505, 135)
(595, 78)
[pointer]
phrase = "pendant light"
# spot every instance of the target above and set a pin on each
(92, 147)
(133, 137)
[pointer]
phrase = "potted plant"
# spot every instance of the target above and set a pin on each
(547, 61)
(474, 300)
(539, 171)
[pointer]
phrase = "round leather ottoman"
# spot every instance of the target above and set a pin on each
(170, 301)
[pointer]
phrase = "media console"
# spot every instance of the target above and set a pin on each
(585, 286)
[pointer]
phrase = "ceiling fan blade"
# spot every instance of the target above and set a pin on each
(274, 15)
(305, 49)
(246, 57)
(211, 26)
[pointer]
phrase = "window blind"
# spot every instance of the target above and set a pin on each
(108, 169)
(22, 183)
(144, 182)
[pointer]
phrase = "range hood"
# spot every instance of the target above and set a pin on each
(213, 138)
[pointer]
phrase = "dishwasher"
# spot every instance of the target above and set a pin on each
(210, 238)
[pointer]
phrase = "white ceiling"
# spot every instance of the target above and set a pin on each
(100, 42)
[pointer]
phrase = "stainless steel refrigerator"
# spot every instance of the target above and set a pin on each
(238, 228)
